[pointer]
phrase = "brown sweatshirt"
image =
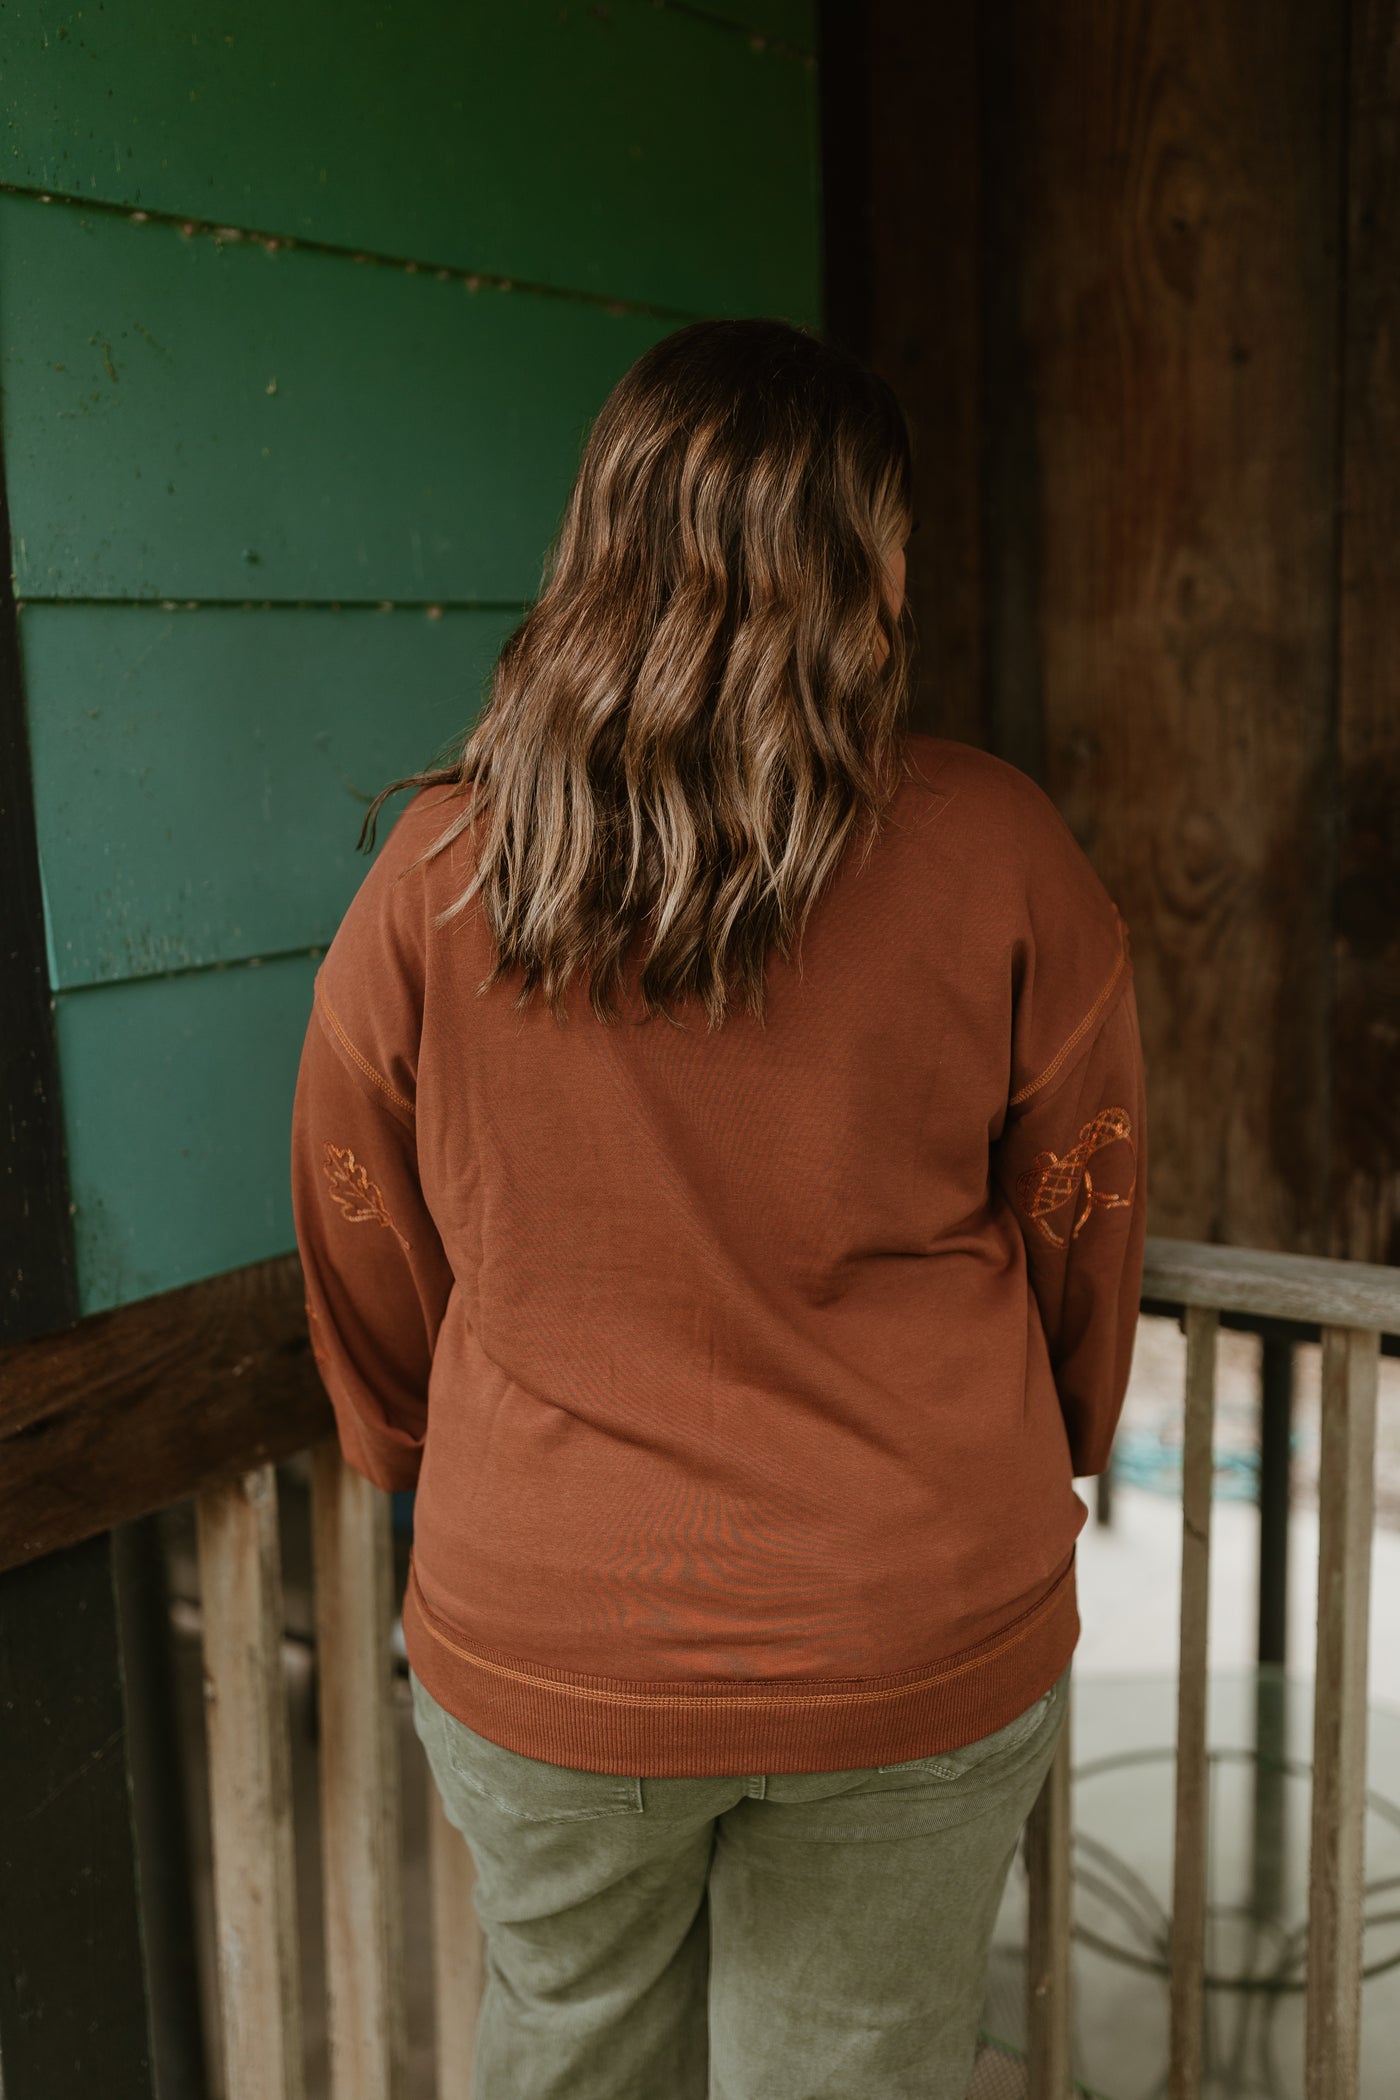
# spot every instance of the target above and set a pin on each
(742, 1376)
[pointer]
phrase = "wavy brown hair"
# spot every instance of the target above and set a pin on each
(706, 702)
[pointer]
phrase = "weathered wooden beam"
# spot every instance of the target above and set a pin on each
(1188, 1931)
(361, 1849)
(132, 1410)
(250, 1790)
(1278, 1286)
(1364, 789)
(1336, 1877)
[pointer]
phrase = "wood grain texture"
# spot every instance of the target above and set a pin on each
(250, 1792)
(361, 1839)
(232, 752)
(1049, 2009)
(133, 1410)
(1337, 1854)
(1179, 297)
(459, 1949)
(1011, 493)
(1365, 1041)
(1191, 1833)
(928, 329)
(615, 150)
(1275, 1286)
(905, 174)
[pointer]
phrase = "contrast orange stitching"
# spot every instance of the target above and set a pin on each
(355, 1196)
(365, 1066)
(1016, 1633)
(1050, 1182)
(1033, 1086)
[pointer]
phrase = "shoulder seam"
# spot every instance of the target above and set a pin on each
(1071, 1042)
(363, 1063)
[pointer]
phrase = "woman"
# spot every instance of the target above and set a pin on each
(717, 1162)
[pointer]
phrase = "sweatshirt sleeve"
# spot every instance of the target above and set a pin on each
(1071, 1157)
(376, 1274)
(1072, 1165)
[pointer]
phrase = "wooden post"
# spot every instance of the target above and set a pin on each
(459, 1969)
(1336, 1883)
(250, 1789)
(74, 2003)
(360, 1819)
(1189, 1867)
(1049, 1926)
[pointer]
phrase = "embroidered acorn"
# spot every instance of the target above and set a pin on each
(1051, 1181)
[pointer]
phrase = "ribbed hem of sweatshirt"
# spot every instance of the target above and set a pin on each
(730, 1727)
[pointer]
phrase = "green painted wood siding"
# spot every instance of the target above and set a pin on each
(187, 418)
(296, 361)
(636, 152)
(223, 758)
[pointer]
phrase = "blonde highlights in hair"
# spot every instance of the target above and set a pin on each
(705, 704)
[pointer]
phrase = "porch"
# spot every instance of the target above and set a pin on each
(1209, 1874)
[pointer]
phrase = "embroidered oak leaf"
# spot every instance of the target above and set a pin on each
(355, 1196)
(1052, 1181)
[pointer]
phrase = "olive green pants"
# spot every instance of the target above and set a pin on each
(798, 1936)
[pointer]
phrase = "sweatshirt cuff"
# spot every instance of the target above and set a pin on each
(390, 1462)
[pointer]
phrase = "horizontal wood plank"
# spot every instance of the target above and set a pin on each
(232, 752)
(132, 1410)
(191, 418)
(177, 1104)
(616, 150)
(1276, 1286)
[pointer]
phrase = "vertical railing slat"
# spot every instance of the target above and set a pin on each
(360, 1815)
(1047, 1844)
(459, 1971)
(1346, 1507)
(1188, 1928)
(250, 1792)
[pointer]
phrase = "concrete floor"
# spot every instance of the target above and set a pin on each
(1123, 1726)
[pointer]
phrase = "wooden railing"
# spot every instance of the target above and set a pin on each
(1353, 1304)
(255, 1904)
